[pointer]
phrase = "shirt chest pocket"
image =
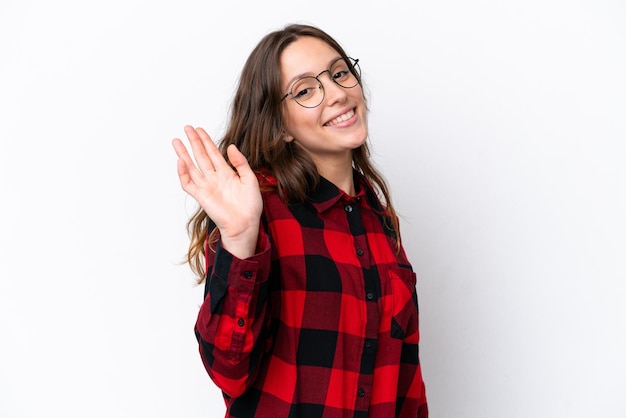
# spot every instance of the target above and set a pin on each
(404, 310)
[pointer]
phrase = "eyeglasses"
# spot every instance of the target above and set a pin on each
(309, 92)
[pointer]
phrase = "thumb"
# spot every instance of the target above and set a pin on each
(239, 161)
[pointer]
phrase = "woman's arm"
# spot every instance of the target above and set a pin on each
(233, 322)
(233, 316)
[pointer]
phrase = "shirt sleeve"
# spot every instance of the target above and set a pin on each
(232, 324)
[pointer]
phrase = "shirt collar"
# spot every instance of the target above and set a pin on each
(327, 194)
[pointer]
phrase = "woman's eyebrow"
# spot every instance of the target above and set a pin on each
(311, 73)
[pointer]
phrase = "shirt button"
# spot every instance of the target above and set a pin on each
(368, 344)
(241, 322)
(348, 208)
(361, 392)
(247, 274)
(359, 252)
(369, 296)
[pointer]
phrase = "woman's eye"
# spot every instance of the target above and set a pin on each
(340, 74)
(302, 93)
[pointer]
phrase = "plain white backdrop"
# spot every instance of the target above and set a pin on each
(500, 125)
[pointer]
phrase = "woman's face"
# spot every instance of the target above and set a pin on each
(330, 131)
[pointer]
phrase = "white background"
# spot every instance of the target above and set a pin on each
(500, 126)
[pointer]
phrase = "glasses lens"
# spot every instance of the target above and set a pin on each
(344, 74)
(307, 91)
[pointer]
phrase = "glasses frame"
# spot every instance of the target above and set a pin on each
(353, 66)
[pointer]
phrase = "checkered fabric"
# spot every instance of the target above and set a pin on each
(322, 321)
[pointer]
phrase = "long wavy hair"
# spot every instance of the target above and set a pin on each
(256, 128)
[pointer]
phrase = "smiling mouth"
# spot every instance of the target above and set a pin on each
(340, 118)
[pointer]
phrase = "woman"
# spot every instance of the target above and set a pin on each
(310, 307)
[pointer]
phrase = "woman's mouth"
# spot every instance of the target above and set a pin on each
(340, 118)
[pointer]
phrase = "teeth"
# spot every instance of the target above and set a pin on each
(341, 118)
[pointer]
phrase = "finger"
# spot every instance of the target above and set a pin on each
(187, 184)
(182, 153)
(183, 175)
(213, 152)
(191, 170)
(180, 149)
(199, 150)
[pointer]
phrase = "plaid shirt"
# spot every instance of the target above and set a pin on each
(322, 321)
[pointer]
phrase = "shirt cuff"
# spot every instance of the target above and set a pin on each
(244, 273)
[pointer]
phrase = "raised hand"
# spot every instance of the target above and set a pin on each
(230, 198)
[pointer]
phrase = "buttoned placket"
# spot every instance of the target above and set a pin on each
(371, 293)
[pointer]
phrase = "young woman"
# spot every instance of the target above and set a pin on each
(310, 307)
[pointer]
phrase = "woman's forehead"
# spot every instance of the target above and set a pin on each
(306, 56)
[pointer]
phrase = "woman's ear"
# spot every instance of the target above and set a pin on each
(287, 137)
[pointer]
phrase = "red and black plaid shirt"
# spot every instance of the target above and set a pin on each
(322, 321)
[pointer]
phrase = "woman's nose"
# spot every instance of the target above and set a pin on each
(332, 91)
